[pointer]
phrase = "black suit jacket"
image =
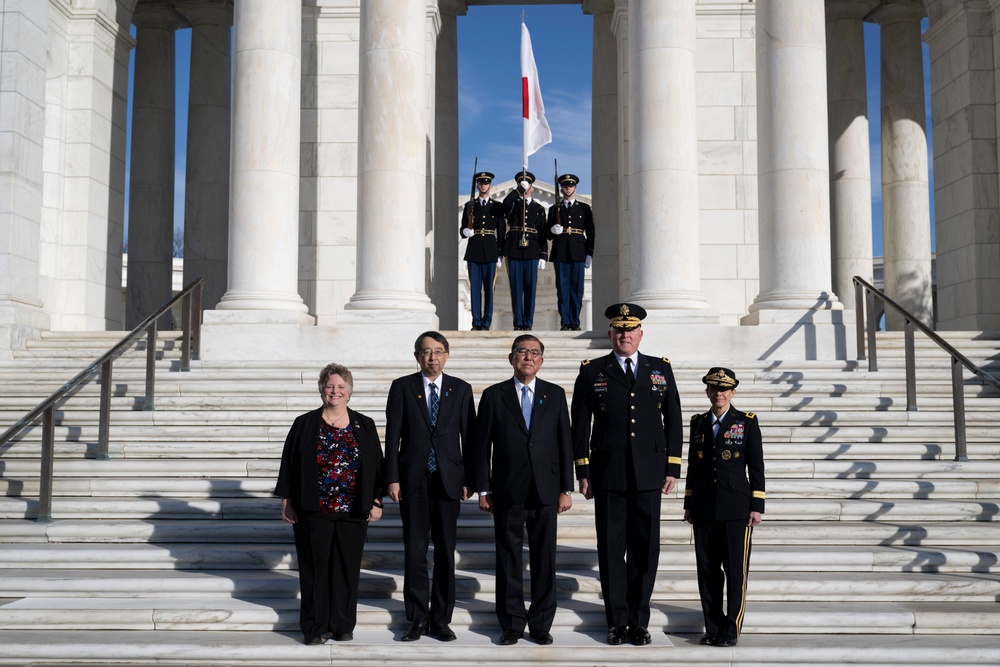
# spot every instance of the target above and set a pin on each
(483, 247)
(571, 246)
(725, 475)
(645, 420)
(298, 475)
(509, 455)
(408, 434)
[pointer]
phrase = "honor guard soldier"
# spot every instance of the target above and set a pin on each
(483, 225)
(524, 247)
(723, 500)
(571, 230)
(630, 456)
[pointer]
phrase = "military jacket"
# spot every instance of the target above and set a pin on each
(725, 475)
(610, 419)
(529, 226)
(577, 238)
(487, 224)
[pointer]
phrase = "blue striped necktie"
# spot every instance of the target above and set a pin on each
(435, 407)
(526, 406)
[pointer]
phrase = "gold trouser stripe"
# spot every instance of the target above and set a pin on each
(746, 563)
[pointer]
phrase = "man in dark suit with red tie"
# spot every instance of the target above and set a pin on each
(429, 420)
(524, 476)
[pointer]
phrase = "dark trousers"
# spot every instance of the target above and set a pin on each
(481, 278)
(508, 526)
(329, 548)
(569, 292)
(523, 275)
(628, 552)
(429, 514)
(722, 550)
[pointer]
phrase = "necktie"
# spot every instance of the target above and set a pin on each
(435, 406)
(628, 373)
(715, 429)
(526, 406)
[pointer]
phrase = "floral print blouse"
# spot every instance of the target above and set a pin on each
(338, 457)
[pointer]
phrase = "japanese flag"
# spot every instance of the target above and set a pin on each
(536, 128)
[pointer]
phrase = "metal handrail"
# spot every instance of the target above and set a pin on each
(190, 297)
(868, 296)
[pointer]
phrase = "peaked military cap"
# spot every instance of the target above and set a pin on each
(721, 377)
(625, 315)
(568, 179)
(524, 176)
(484, 177)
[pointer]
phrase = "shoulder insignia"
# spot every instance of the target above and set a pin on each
(585, 362)
(751, 415)
(695, 417)
(665, 359)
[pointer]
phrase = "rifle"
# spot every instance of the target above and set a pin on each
(472, 197)
(558, 195)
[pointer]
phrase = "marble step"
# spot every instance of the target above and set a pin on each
(380, 646)
(577, 555)
(480, 585)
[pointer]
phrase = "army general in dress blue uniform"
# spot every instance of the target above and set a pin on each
(483, 225)
(525, 248)
(625, 462)
(723, 500)
(571, 230)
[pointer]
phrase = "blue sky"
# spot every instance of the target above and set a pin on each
(490, 103)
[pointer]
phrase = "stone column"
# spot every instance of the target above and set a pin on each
(906, 227)
(264, 185)
(663, 151)
(391, 165)
(850, 171)
(206, 200)
(604, 156)
(22, 128)
(151, 187)
(793, 162)
(619, 26)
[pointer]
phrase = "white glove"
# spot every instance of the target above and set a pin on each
(499, 261)
(588, 262)
(557, 229)
(541, 265)
(467, 233)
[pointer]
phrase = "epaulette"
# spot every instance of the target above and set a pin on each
(585, 362)
(665, 359)
(695, 416)
(751, 415)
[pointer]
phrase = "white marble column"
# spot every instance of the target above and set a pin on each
(906, 228)
(22, 127)
(151, 179)
(392, 177)
(206, 200)
(446, 173)
(792, 162)
(264, 179)
(663, 156)
(604, 156)
(850, 159)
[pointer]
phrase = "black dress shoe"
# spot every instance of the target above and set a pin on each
(617, 635)
(312, 640)
(510, 637)
(707, 640)
(542, 638)
(414, 632)
(725, 641)
(443, 633)
(574, 328)
(639, 636)
(344, 636)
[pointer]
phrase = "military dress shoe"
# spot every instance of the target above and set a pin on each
(344, 636)
(707, 640)
(725, 641)
(617, 635)
(510, 637)
(541, 637)
(639, 636)
(443, 633)
(414, 632)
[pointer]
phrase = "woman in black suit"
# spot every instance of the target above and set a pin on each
(330, 484)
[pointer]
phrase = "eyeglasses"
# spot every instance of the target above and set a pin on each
(528, 352)
(427, 353)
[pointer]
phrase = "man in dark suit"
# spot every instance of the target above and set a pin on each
(571, 229)
(630, 457)
(723, 500)
(429, 419)
(525, 248)
(483, 224)
(524, 476)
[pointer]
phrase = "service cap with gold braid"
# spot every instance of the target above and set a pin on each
(625, 315)
(721, 377)
(484, 177)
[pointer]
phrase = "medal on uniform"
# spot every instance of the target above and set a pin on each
(726, 455)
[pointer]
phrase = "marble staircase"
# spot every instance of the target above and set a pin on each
(877, 547)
